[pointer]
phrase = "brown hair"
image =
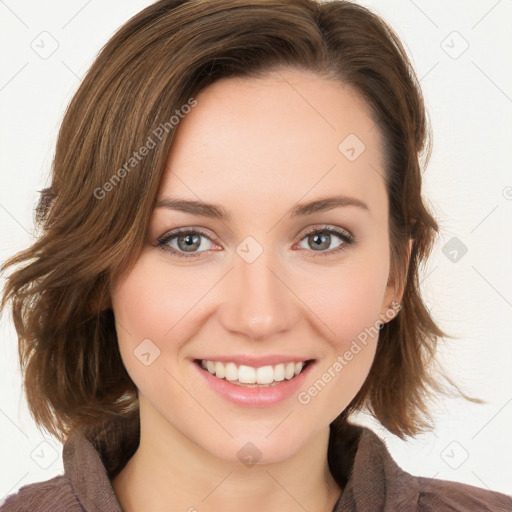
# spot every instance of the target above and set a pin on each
(153, 66)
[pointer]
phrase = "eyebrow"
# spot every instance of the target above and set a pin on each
(301, 210)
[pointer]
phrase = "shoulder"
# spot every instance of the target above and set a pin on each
(437, 495)
(54, 495)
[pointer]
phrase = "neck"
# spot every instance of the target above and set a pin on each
(170, 472)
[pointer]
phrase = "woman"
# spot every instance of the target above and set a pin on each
(228, 268)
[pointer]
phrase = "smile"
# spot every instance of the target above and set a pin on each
(243, 375)
(254, 386)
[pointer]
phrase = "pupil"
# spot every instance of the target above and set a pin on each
(191, 241)
(318, 240)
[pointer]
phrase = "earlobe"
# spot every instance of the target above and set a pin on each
(391, 312)
(393, 297)
(408, 251)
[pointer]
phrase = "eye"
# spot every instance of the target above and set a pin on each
(321, 238)
(187, 240)
(185, 243)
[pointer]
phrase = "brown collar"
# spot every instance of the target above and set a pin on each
(375, 481)
(82, 464)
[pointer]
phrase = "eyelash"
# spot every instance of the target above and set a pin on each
(348, 239)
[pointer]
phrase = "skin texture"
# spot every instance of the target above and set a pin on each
(257, 147)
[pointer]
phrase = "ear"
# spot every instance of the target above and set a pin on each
(394, 289)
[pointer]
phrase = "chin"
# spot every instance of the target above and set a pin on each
(250, 450)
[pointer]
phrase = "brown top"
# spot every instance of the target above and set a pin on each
(358, 459)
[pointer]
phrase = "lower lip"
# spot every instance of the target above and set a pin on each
(255, 396)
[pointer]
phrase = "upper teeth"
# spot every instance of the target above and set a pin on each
(250, 375)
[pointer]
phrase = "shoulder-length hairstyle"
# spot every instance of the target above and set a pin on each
(94, 217)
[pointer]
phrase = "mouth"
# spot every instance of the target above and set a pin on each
(253, 377)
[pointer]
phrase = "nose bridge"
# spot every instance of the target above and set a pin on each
(260, 304)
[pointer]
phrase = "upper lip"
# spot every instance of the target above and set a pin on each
(257, 361)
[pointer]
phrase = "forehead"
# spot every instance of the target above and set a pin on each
(253, 144)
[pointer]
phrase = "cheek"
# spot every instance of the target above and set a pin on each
(154, 314)
(349, 321)
(146, 311)
(348, 318)
(155, 304)
(348, 298)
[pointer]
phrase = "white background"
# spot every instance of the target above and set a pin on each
(468, 185)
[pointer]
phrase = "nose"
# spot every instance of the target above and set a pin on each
(258, 301)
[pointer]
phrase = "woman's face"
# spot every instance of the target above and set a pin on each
(269, 284)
